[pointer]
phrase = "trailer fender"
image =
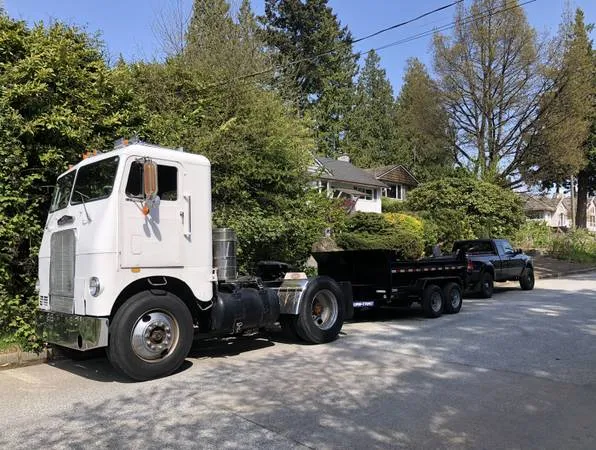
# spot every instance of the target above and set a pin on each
(291, 293)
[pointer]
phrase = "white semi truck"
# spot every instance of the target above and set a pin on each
(127, 262)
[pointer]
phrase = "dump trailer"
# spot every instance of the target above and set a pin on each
(129, 261)
(378, 278)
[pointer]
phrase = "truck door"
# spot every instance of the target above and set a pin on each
(155, 239)
(507, 259)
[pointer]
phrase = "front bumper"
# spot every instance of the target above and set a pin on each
(76, 332)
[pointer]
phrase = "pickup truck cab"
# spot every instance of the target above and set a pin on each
(491, 260)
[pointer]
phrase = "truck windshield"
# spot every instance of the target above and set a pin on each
(95, 181)
(62, 192)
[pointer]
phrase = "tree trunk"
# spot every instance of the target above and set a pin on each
(583, 178)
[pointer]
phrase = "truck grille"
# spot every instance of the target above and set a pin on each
(62, 270)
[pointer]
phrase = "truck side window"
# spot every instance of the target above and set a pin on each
(167, 182)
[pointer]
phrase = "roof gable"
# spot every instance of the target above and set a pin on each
(396, 173)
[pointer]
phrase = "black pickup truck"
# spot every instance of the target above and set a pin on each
(491, 260)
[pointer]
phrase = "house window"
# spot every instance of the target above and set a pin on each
(395, 191)
(562, 219)
(368, 194)
(592, 222)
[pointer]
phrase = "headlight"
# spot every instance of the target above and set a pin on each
(94, 286)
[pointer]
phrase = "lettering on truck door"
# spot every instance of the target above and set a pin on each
(155, 239)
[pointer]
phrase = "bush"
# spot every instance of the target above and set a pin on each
(464, 208)
(399, 232)
(391, 205)
(533, 235)
(577, 245)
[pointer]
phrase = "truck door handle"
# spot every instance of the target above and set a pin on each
(65, 220)
(186, 216)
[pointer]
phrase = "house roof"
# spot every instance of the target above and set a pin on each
(544, 203)
(395, 173)
(344, 171)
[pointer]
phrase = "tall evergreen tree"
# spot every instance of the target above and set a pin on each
(371, 138)
(423, 125)
(317, 64)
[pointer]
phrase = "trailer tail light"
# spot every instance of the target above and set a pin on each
(470, 266)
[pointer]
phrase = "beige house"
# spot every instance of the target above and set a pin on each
(556, 211)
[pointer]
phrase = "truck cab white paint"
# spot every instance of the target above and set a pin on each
(116, 243)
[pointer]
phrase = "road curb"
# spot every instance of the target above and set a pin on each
(566, 274)
(9, 360)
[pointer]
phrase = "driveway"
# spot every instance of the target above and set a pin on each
(514, 371)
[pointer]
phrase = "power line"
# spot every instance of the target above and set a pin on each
(405, 40)
(292, 63)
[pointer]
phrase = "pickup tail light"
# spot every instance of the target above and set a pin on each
(470, 265)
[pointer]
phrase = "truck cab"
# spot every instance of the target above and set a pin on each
(491, 260)
(127, 262)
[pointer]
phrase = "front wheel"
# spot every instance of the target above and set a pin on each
(150, 336)
(526, 281)
(322, 312)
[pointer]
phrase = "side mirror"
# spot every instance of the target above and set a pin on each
(150, 187)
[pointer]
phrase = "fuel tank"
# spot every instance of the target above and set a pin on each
(245, 308)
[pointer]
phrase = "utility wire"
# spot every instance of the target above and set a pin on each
(405, 40)
(292, 63)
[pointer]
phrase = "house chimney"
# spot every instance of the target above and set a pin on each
(344, 158)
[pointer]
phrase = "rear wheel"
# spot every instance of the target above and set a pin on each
(432, 301)
(322, 311)
(486, 285)
(453, 298)
(150, 336)
(526, 281)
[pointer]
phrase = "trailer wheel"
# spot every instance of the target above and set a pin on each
(486, 285)
(453, 298)
(321, 313)
(150, 336)
(432, 301)
(526, 281)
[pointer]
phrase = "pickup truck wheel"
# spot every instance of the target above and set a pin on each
(526, 280)
(486, 285)
(453, 298)
(432, 301)
(321, 313)
(150, 336)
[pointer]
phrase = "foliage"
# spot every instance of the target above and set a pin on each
(533, 234)
(392, 205)
(426, 146)
(317, 64)
(491, 79)
(577, 245)
(463, 208)
(376, 231)
(371, 137)
(57, 99)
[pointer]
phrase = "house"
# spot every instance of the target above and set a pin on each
(341, 179)
(556, 211)
(398, 179)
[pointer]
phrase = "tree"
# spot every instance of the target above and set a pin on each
(492, 79)
(57, 99)
(371, 138)
(317, 66)
(423, 125)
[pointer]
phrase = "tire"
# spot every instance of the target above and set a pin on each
(526, 280)
(150, 336)
(487, 285)
(453, 298)
(432, 301)
(322, 312)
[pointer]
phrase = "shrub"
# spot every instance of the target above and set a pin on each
(391, 205)
(533, 234)
(399, 232)
(577, 245)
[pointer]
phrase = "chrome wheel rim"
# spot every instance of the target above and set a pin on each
(436, 301)
(155, 335)
(455, 298)
(324, 309)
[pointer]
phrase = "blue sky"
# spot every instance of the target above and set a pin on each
(127, 26)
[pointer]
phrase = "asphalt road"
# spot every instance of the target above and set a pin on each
(515, 371)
